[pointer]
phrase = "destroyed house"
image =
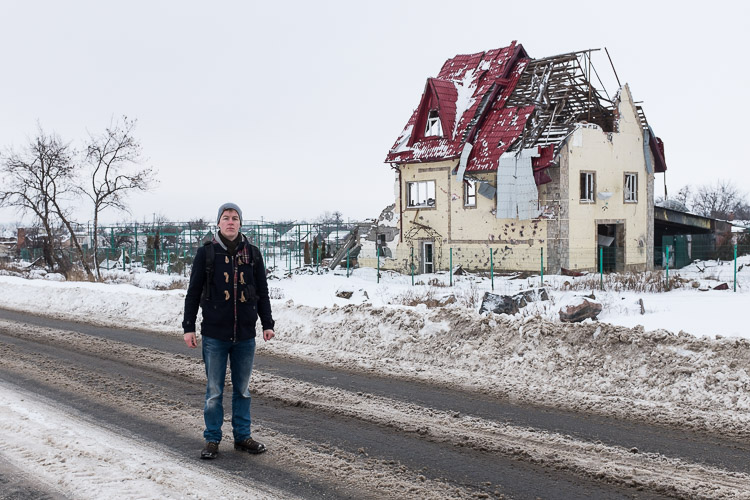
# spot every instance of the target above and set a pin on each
(524, 164)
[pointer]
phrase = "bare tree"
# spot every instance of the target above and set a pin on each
(684, 195)
(720, 200)
(198, 225)
(114, 159)
(330, 218)
(38, 180)
(199, 229)
(742, 212)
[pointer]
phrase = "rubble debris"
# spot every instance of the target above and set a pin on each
(580, 310)
(507, 304)
(350, 244)
(498, 304)
(569, 272)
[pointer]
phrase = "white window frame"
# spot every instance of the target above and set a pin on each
(588, 187)
(470, 193)
(630, 187)
(420, 194)
(433, 126)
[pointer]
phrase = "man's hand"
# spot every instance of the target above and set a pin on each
(268, 335)
(191, 341)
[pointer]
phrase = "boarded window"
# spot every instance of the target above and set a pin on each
(421, 194)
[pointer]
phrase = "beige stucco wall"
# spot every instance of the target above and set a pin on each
(609, 156)
(471, 232)
(567, 232)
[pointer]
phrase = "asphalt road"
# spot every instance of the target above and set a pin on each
(471, 471)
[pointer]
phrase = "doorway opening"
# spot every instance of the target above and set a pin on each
(428, 266)
(610, 251)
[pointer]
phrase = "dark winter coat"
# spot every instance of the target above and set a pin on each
(238, 293)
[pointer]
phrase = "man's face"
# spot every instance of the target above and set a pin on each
(229, 224)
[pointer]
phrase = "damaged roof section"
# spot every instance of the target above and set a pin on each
(560, 90)
(503, 101)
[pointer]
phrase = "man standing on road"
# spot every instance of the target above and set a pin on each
(228, 281)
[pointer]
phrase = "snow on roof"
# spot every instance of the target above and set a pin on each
(465, 99)
(502, 100)
(457, 94)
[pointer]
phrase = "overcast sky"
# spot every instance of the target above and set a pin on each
(289, 108)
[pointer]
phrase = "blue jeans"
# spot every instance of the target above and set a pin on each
(215, 354)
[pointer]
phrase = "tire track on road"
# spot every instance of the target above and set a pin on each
(383, 463)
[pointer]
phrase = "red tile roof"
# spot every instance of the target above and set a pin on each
(470, 94)
(502, 99)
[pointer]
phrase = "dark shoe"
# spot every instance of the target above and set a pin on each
(250, 445)
(211, 450)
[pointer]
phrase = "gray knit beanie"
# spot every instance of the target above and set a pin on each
(228, 206)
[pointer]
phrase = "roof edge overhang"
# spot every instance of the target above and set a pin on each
(423, 160)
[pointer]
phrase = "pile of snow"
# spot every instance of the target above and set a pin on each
(696, 308)
(627, 363)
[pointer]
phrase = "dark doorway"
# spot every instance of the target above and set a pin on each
(427, 258)
(610, 255)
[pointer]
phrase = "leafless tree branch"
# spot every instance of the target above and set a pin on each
(113, 159)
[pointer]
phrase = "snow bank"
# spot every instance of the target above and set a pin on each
(656, 375)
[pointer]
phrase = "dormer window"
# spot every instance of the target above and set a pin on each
(433, 124)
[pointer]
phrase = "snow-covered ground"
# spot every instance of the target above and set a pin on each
(683, 361)
(97, 463)
(144, 300)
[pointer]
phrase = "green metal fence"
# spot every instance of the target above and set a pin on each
(169, 248)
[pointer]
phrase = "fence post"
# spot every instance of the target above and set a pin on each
(601, 268)
(735, 268)
(347, 263)
(667, 267)
(377, 251)
(450, 253)
(317, 260)
(492, 272)
(412, 266)
(169, 262)
(542, 273)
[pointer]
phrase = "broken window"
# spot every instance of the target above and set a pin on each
(470, 193)
(631, 188)
(433, 124)
(421, 194)
(587, 186)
